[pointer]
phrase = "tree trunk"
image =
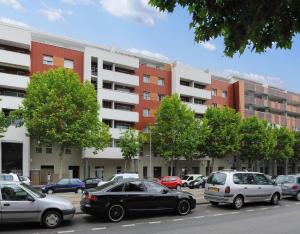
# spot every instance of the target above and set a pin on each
(286, 162)
(212, 165)
(61, 160)
(172, 162)
(125, 165)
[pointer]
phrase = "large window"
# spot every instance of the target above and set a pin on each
(68, 63)
(13, 192)
(147, 96)
(185, 83)
(214, 92)
(48, 60)
(146, 79)
(224, 94)
(135, 186)
(161, 82)
(146, 112)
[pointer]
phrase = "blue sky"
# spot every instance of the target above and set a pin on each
(132, 24)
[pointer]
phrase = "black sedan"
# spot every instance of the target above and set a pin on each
(197, 183)
(115, 200)
(91, 182)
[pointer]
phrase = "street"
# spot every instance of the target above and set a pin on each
(253, 218)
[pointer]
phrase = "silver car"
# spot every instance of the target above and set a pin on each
(239, 187)
(22, 203)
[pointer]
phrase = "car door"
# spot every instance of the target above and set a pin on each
(17, 205)
(62, 185)
(89, 183)
(250, 188)
(265, 187)
(73, 185)
(159, 197)
(135, 195)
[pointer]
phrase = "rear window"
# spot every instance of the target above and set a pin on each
(185, 177)
(285, 179)
(6, 177)
(217, 178)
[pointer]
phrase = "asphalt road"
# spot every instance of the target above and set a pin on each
(257, 218)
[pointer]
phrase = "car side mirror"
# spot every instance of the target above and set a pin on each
(274, 182)
(30, 198)
(164, 191)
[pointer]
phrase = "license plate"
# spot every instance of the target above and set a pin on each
(213, 189)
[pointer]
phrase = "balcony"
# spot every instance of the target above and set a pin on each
(120, 78)
(13, 81)
(198, 108)
(198, 93)
(293, 109)
(15, 58)
(278, 94)
(120, 115)
(277, 106)
(108, 153)
(9, 102)
(119, 96)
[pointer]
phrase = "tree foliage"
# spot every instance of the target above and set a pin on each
(248, 23)
(59, 110)
(223, 138)
(130, 144)
(297, 146)
(4, 123)
(257, 140)
(176, 133)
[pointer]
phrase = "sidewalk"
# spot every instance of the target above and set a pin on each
(75, 198)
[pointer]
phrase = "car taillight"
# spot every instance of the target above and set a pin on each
(227, 189)
(91, 198)
(294, 187)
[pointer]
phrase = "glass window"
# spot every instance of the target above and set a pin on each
(146, 79)
(248, 179)
(63, 181)
(13, 192)
(224, 94)
(39, 149)
(90, 181)
(238, 178)
(217, 178)
(215, 105)
(147, 96)
(185, 83)
(261, 179)
(153, 187)
(160, 97)
(161, 82)
(68, 63)
(49, 149)
(6, 177)
(199, 86)
(214, 92)
(135, 186)
(199, 101)
(119, 169)
(118, 188)
(48, 60)
(146, 112)
(68, 150)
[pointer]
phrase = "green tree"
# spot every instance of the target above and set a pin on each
(248, 23)
(59, 110)
(297, 146)
(223, 138)
(4, 123)
(257, 140)
(284, 147)
(176, 132)
(130, 144)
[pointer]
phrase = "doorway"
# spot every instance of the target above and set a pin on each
(74, 171)
(12, 157)
(45, 170)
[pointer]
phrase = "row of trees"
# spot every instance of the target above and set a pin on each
(222, 132)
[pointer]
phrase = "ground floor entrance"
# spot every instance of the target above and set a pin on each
(12, 157)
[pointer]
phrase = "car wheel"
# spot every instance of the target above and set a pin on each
(184, 185)
(51, 219)
(183, 207)
(214, 203)
(115, 213)
(298, 196)
(178, 187)
(79, 190)
(275, 199)
(238, 202)
(50, 191)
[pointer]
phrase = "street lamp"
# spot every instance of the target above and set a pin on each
(150, 156)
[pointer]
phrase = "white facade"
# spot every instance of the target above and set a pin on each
(190, 84)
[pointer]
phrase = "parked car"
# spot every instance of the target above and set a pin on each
(64, 185)
(120, 176)
(199, 182)
(290, 185)
(114, 200)
(25, 180)
(237, 188)
(171, 182)
(22, 203)
(9, 177)
(91, 182)
(189, 178)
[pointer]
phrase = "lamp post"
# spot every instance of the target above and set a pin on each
(150, 154)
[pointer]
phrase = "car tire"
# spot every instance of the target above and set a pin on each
(79, 190)
(178, 187)
(183, 207)
(275, 199)
(50, 191)
(238, 202)
(297, 197)
(184, 185)
(115, 213)
(214, 203)
(51, 219)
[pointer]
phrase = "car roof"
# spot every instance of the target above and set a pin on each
(10, 182)
(235, 171)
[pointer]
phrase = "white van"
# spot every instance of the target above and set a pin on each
(189, 178)
(120, 176)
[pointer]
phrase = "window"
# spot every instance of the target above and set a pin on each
(146, 79)
(161, 82)
(185, 83)
(39, 149)
(49, 149)
(119, 169)
(261, 179)
(199, 86)
(248, 179)
(214, 92)
(238, 178)
(135, 186)
(119, 188)
(63, 181)
(108, 122)
(116, 143)
(199, 101)
(153, 187)
(195, 170)
(146, 112)
(147, 96)
(107, 85)
(68, 150)
(146, 129)
(215, 105)
(48, 60)
(12, 192)
(184, 99)
(160, 97)
(145, 173)
(68, 63)
(107, 104)
(224, 94)
(217, 178)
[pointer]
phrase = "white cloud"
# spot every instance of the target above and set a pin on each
(80, 2)
(207, 45)
(148, 53)
(15, 4)
(135, 10)
(53, 14)
(270, 80)
(11, 21)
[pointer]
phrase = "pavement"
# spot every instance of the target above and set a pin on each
(75, 198)
(259, 218)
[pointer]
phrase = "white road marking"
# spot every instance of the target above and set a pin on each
(198, 217)
(249, 210)
(265, 208)
(234, 212)
(297, 203)
(67, 231)
(217, 215)
(99, 228)
(177, 220)
(274, 207)
(154, 222)
(128, 225)
(287, 205)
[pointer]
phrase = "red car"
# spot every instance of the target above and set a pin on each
(171, 182)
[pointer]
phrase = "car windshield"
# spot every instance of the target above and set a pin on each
(285, 179)
(34, 191)
(217, 178)
(104, 186)
(199, 178)
(111, 178)
(185, 177)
